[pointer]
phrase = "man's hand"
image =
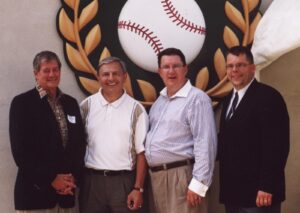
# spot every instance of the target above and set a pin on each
(263, 199)
(64, 184)
(193, 199)
(135, 200)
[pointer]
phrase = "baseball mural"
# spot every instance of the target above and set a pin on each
(151, 26)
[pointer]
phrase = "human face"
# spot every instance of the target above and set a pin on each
(112, 78)
(48, 76)
(239, 70)
(173, 72)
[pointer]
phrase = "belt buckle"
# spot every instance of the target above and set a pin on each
(165, 166)
(105, 172)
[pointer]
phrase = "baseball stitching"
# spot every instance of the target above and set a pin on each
(179, 20)
(144, 33)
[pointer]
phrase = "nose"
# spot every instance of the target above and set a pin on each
(110, 76)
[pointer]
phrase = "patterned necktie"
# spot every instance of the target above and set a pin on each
(233, 106)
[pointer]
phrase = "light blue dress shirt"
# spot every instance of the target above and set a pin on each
(181, 127)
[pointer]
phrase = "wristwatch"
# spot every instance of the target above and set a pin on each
(138, 189)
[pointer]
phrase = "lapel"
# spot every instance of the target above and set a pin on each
(245, 106)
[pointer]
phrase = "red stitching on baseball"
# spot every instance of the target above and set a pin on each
(179, 20)
(144, 33)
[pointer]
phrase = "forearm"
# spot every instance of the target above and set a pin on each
(141, 167)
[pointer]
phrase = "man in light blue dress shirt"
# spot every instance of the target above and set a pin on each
(181, 143)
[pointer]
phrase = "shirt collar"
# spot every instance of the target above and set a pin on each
(182, 92)
(43, 93)
(116, 103)
(242, 91)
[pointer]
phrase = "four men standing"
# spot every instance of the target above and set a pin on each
(48, 142)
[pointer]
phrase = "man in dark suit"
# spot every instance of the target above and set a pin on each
(253, 140)
(47, 141)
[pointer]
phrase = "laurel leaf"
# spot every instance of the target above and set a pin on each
(220, 64)
(235, 16)
(253, 27)
(70, 3)
(88, 13)
(202, 79)
(221, 89)
(128, 86)
(93, 39)
(66, 26)
(252, 4)
(230, 39)
(92, 86)
(76, 59)
(105, 54)
(148, 90)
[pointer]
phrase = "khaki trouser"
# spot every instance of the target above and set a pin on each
(169, 188)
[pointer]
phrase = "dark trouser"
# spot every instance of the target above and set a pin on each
(237, 209)
(105, 194)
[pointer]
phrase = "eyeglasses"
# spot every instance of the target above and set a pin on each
(237, 66)
(175, 67)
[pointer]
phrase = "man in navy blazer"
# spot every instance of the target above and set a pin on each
(47, 141)
(253, 140)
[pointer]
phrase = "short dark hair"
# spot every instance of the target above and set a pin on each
(44, 55)
(241, 50)
(169, 52)
(109, 60)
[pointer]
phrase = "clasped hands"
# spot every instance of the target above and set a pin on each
(64, 184)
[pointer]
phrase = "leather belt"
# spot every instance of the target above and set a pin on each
(107, 172)
(172, 165)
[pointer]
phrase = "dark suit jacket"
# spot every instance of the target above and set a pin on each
(38, 151)
(253, 147)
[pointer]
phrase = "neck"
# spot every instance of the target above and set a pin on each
(111, 96)
(172, 91)
(52, 94)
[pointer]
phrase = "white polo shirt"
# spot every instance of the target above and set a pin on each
(116, 131)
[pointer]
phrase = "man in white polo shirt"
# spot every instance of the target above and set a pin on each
(116, 127)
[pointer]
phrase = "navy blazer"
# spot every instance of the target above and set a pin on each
(38, 151)
(253, 147)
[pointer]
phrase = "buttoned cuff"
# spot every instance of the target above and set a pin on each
(198, 187)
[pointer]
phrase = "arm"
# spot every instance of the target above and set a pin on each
(22, 133)
(140, 125)
(135, 198)
(274, 148)
(203, 129)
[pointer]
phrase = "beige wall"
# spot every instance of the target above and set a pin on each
(28, 26)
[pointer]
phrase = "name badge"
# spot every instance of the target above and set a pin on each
(71, 119)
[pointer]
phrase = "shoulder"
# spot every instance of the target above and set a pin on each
(26, 96)
(198, 95)
(268, 92)
(135, 103)
(88, 99)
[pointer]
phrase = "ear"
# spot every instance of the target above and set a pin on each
(125, 74)
(186, 69)
(253, 68)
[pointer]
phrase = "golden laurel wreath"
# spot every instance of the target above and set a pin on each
(79, 55)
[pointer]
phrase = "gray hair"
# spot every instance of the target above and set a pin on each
(47, 56)
(109, 60)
